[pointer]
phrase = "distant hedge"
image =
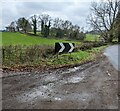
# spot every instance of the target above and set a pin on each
(89, 45)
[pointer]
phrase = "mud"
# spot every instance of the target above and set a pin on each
(89, 86)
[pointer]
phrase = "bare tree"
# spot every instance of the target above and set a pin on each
(34, 21)
(117, 25)
(103, 16)
(23, 24)
(45, 21)
(11, 27)
(58, 23)
(45, 18)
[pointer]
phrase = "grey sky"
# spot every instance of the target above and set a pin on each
(75, 11)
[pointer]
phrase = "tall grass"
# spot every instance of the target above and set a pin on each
(44, 55)
(25, 54)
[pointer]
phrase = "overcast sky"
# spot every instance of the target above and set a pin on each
(75, 11)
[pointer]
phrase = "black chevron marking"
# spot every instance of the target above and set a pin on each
(64, 47)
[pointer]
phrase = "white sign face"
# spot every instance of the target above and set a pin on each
(62, 47)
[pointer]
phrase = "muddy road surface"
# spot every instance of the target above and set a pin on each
(90, 86)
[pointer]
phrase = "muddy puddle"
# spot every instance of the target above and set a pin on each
(48, 93)
(49, 90)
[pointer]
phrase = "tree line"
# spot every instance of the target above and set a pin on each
(47, 27)
(105, 18)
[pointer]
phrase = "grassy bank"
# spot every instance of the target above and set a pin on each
(42, 58)
(76, 57)
(22, 51)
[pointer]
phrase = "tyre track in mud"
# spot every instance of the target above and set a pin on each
(89, 86)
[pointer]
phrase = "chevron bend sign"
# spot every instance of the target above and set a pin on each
(64, 47)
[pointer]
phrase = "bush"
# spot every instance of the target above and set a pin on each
(17, 55)
(89, 45)
(23, 54)
(82, 36)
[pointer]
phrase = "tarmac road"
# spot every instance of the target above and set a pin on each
(90, 86)
(112, 52)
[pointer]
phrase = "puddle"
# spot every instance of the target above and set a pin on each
(57, 98)
(74, 97)
(48, 93)
(75, 79)
(42, 92)
(29, 96)
(72, 70)
(79, 97)
(50, 90)
(50, 78)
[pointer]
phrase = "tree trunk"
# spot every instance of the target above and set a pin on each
(35, 29)
(119, 38)
(110, 38)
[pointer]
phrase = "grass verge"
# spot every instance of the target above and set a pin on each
(51, 61)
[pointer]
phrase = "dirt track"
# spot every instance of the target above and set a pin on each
(89, 86)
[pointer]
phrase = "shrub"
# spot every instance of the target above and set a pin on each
(23, 54)
(17, 55)
(89, 45)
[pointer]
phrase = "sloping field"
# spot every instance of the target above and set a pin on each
(92, 37)
(9, 38)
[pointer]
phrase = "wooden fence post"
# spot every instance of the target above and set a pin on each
(3, 54)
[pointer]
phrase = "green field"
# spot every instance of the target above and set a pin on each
(9, 38)
(92, 37)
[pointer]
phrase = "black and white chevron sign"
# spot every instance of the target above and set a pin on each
(64, 47)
